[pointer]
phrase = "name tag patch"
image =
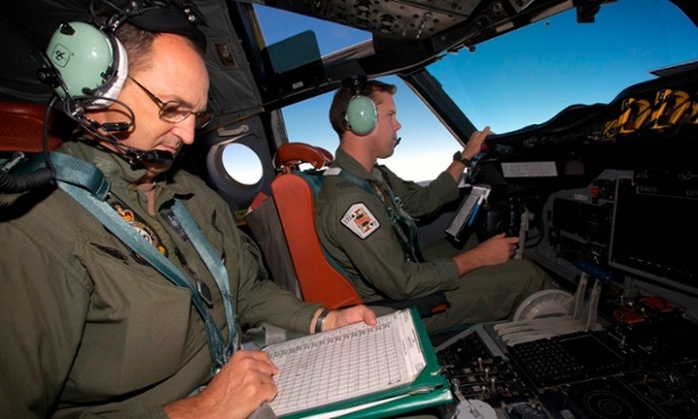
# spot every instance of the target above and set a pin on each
(360, 220)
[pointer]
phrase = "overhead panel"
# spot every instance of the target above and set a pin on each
(395, 19)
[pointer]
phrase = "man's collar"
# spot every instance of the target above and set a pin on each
(114, 167)
(347, 162)
(108, 162)
(351, 165)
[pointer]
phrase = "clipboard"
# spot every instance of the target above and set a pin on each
(429, 388)
(468, 210)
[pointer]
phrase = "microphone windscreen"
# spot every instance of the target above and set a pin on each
(116, 126)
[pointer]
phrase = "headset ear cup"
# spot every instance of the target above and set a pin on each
(361, 115)
(110, 91)
(89, 63)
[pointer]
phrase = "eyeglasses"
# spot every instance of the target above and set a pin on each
(175, 111)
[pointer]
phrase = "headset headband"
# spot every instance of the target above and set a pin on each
(168, 16)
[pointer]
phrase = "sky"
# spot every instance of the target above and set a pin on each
(523, 78)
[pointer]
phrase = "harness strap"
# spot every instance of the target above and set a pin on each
(213, 263)
(399, 219)
(85, 183)
(72, 171)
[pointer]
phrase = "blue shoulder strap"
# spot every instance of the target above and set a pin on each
(72, 171)
(89, 187)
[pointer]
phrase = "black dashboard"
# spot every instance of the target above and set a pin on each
(606, 193)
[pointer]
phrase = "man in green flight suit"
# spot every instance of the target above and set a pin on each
(365, 221)
(90, 327)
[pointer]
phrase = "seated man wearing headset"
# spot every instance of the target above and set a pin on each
(365, 220)
(97, 321)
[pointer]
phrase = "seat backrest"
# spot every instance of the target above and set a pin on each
(21, 127)
(319, 276)
(294, 193)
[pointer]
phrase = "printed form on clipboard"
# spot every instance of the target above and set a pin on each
(346, 366)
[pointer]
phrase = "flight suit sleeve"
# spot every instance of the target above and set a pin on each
(262, 300)
(43, 306)
(373, 251)
(258, 298)
(418, 200)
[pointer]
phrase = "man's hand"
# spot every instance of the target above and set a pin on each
(339, 318)
(493, 251)
(497, 249)
(472, 148)
(241, 386)
(474, 145)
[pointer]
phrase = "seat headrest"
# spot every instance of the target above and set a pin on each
(22, 127)
(290, 155)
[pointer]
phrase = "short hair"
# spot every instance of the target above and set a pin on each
(137, 38)
(138, 44)
(345, 93)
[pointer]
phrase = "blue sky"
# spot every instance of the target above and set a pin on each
(522, 78)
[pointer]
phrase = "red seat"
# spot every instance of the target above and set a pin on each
(22, 127)
(319, 280)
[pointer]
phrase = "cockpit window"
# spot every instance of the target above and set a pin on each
(522, 78)
(308, 121)
(528, 76)
(278, 25)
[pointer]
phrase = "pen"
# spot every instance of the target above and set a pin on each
(475, 210)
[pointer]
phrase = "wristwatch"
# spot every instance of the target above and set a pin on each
(459, 157)
(321, 320)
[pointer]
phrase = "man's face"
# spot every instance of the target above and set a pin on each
(385, 134)
(175, 72)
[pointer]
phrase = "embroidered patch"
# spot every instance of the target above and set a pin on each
(141, 227)
(360, 220)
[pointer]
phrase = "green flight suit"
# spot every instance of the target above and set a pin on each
(355, 229)
(88, 329)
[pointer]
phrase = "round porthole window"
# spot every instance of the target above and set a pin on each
(242, 164)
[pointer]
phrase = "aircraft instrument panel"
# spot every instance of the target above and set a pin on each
(642, 363)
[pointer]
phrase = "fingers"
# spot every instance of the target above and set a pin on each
(485, 132)
(359, 313)
(368, 316)
(509, 239)
(475, 142)
(241, 386)
(255, 361)
(256, 373)
(481, 136)
(500, 248)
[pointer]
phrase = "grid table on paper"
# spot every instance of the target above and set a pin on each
(340, 365)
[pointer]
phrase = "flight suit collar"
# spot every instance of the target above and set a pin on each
(346, 162)
(121, 173)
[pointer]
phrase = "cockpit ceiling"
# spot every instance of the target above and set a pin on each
(417, 20)
(397, 19)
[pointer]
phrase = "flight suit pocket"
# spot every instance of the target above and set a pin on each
(136, 316)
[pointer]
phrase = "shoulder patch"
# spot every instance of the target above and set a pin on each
(360, 221)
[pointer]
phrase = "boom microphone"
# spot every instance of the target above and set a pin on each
(104, 132)
(134, 156)
(116, 126)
